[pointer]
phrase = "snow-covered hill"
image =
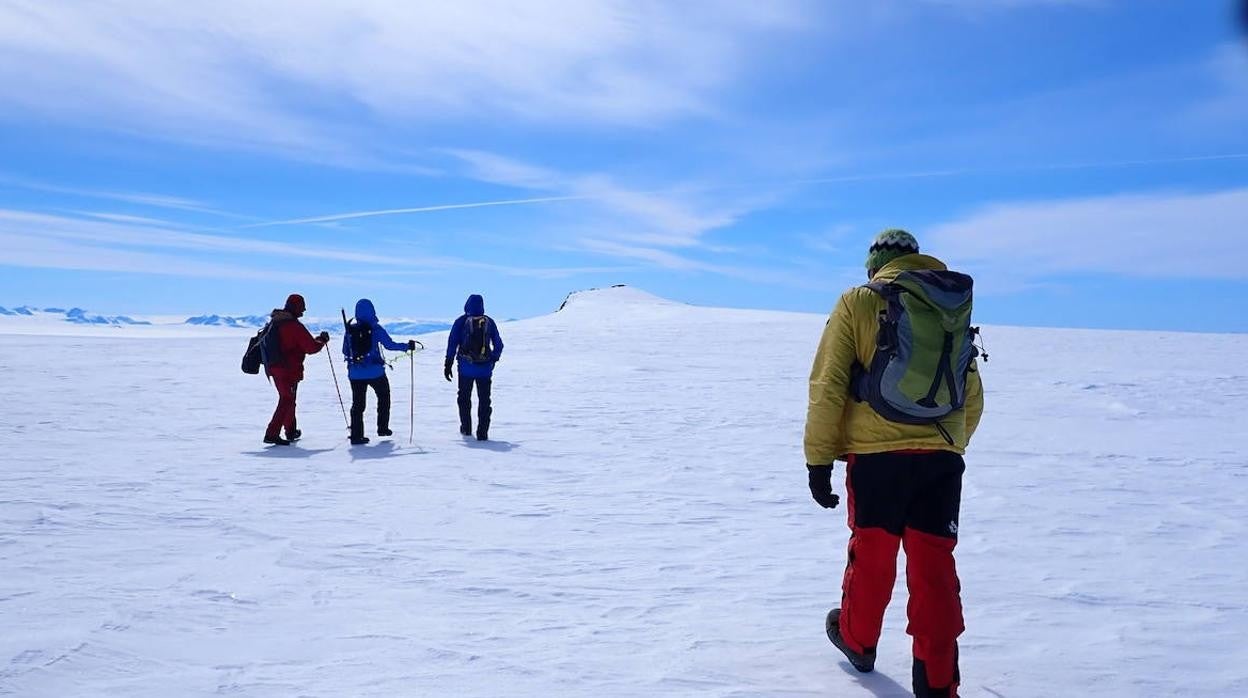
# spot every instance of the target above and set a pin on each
(639, 527)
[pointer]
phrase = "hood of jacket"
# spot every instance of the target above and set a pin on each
(475, 305)
(909, 262)
(281, 315)
(365, 312)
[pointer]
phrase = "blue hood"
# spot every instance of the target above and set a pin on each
(474, 306)
(364, 311)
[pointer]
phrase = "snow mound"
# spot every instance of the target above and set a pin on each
(613, 296)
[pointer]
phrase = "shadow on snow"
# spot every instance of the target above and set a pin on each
(498, 446)
(879, 684)
(286, 452)
(382, 449)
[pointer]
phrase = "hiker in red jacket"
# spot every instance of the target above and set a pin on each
(296, 343)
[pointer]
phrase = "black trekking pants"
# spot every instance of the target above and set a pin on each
(465, 403)
(359, 398)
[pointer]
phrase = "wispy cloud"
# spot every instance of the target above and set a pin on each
(1159, 235)
(984, 5)
(118, 242)
(671, 216)
(1227, 72)
(43, 252)
(128, 234)
(1025, 168)
(239, 73)
(162, 201)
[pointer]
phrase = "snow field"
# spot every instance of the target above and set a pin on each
(640, 525)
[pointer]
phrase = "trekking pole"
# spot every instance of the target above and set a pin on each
(411, 401)
(334, 373)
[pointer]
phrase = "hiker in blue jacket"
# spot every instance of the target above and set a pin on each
(366, 367)
(474, 341)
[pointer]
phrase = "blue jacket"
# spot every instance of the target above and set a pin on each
(468, 369)
(373, 366)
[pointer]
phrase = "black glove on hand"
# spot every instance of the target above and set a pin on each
(821, 486)
(446, 369)
(323, 338)
(411, 345)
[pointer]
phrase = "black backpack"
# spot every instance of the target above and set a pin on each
(475, 346)
(359, 341)
(265, 348)
(271, 345)
(251, 357)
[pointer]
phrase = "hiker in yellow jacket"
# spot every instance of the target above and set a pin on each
(903, 448)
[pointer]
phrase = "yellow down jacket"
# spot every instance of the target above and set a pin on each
(836, 424)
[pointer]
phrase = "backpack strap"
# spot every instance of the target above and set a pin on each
(885, 339)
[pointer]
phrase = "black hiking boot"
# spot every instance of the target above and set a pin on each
(483, 436)
(865, 661)
(293, 435)
(465, 430)
(384, 431)
(923, 690)
(276, 440)
(358, 440)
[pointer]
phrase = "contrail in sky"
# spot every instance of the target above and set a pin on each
(419, 209)
(921, 174)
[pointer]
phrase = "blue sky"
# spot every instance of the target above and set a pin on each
(1087, 160)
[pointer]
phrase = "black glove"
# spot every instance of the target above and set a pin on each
(446, 369)
(821, 486)
(323, 338)
(411, 345)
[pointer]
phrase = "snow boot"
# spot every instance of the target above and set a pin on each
(358, 440)
(864, 661)
(275, 440)
(384, 431)
(465, 430)
(293, 435)
(483, 436)
(923, 690)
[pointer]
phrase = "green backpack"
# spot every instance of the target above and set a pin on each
(923, 350)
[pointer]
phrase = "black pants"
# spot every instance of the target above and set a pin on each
(465, 404)
(359, 397)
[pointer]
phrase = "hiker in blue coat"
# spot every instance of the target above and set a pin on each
(366, 367)
(475, 342)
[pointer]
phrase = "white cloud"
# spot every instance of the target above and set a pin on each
(256, 73)
(130, 234)
(673, 217)
(1227, 70)
(1161, 235)
(147, 199)
(43, 252)
(980, 6)
(117, 242)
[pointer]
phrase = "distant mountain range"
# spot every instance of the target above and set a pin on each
(75, 315)
(395, 327)
(79, 316)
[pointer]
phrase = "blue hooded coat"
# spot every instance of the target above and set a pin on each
(373, 366)
(474, 307)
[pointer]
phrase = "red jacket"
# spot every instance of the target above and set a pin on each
(296, 342)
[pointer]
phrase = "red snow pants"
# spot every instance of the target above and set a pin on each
(284, 414)
(909, 499)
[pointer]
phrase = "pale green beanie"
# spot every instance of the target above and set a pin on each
(890, 245)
